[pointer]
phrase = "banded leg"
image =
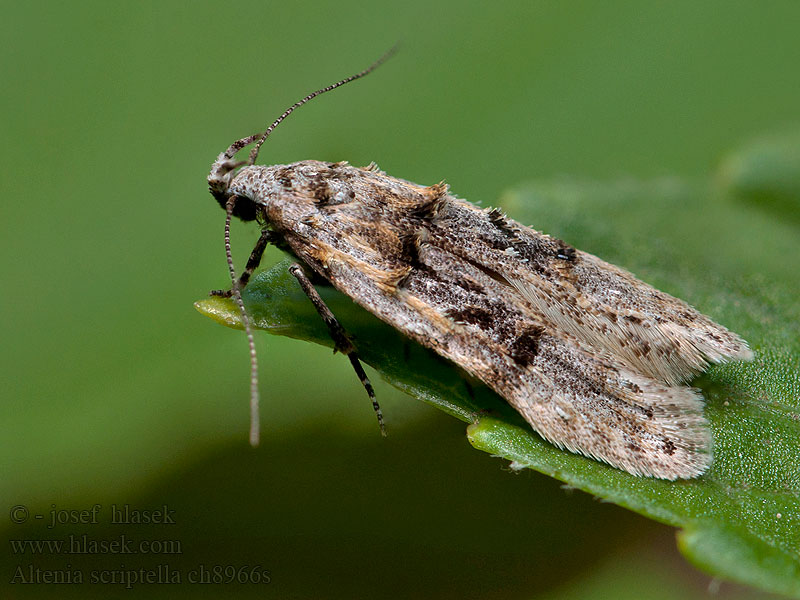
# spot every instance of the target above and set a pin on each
(340, 338)
(267, 236)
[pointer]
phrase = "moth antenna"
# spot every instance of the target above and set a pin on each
(261, 137)
(333, 86)
(237, 296)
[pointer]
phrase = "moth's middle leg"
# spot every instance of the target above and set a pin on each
(267, 236)
(340, 338)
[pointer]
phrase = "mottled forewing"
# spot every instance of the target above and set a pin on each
(598, 303)
(422, 261)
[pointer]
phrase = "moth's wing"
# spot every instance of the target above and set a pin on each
(651, 331)
(596, 407)
(441, 271)
(588, 404)
(575, 396)
(594, 301)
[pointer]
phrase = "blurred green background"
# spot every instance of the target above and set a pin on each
(116, 391)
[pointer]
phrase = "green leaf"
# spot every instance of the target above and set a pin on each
(767, 174)
(734, 260)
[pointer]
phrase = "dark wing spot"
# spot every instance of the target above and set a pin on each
(436, 198)
(498, 219)
(537, 252)
(473, 315)
(470, 285)
(636, 390)
(330, 188)
(565, 252)
(525, 348)
(320, 191)
(284, 177)
(410, 249)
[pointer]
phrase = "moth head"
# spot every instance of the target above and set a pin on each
(220, 177)
(225, 169)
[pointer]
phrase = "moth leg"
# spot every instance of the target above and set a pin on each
(267, 236)
(340, 338)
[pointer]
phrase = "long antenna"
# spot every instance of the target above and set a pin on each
(237, 296)
(261, 137)
(288, 111)
(236, 291)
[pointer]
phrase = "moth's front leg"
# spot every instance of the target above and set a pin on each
(267, 237)
(341, 340)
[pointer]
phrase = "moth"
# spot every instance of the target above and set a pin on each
(592, 358)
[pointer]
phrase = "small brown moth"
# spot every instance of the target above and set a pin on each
(589, 355)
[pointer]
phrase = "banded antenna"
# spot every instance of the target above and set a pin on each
(236, 291)
(261, 137)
